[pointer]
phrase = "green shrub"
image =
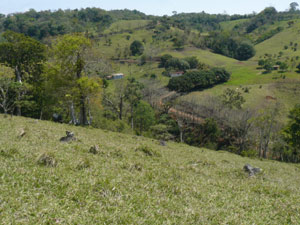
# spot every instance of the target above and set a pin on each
(136, 48)
(251, 153)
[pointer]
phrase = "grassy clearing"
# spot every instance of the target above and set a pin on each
(122, 185)
(229, 25)
(286, 92)
(124, 25)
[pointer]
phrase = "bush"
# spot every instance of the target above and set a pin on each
(249, 153)
(244, 51)
(198, 80)
(163, 60)
(177, 64)
(136, 48)
(161, 132)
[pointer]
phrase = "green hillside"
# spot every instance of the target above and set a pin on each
(229, 25)
(134, 180)
(276, 44)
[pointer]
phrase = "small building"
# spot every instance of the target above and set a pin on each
(116, 76)
(176, 74)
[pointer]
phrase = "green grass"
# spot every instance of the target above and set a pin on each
(125, 185)
(229, 25)
(123, 25)
(286, 91)
(276, 44)
(245, 73)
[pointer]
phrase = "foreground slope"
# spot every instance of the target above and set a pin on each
(173, 184)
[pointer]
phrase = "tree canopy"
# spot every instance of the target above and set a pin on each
(137, 48)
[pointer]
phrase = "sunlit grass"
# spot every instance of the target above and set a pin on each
(119, 185)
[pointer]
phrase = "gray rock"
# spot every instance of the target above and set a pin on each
(163, 143)
(69, 137)
(251, 170)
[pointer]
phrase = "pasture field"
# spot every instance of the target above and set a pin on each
(134, 180)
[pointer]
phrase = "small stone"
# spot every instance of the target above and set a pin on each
(69, 137)
(163, 143)
(251, 170)
(94, 149)
(22, 132)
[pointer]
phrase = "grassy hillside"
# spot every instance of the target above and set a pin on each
(229, 25)
(276, 44)
(134, 180)
(123, 25)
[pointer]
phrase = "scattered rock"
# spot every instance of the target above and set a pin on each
(94, 149)
(251, 170)
(69, 137)
(46, 159)
(22, 132)
(163, 143)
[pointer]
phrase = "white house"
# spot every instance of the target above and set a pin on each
(116, 76)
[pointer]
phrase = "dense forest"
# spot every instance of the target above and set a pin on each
(52, 68)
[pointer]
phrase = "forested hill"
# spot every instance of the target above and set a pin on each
(94, 20)
(232, 36)
(51, 23)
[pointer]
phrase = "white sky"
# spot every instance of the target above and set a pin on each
(153, 7)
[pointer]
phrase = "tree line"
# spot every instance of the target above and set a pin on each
(227, 125)
(198, 80)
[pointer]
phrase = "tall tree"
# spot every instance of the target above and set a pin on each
(8, 89)
(25, 55)
(293, 6)
(70, 54)
(144, 116)
(291, 134)
(136, 48)
(266, 125)
(133, 95)
(22, 53)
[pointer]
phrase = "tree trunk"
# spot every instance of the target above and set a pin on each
(41, 115)
(19, 80)
(18, 75)
(132, 117)
(19, 111)
(5, 112)
(72, 112)
(181, 136)
(180, 125)
(121, 108)
(83, 117)
(89, 112)
(265, 151)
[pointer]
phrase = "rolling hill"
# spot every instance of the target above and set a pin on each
(134, 180)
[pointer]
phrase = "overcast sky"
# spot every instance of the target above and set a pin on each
(154, 7)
